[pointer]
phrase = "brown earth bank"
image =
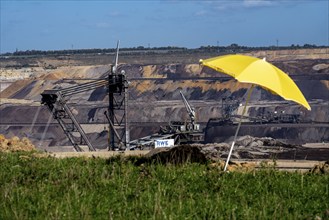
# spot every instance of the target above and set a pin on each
(270, 150)
(15, 144)
(168, 57)
(291, 158)
(154, 94)
(288, 160)
(213, 155)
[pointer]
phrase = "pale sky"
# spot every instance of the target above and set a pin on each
(57, 25)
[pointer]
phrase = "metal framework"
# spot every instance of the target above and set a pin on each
(117, 114)
(56, 101)
(117, 85)
(182, 132)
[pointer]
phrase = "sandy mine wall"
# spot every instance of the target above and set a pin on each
(156, 101)
(147, 58)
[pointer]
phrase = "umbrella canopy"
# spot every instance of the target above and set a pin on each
(252, 70)
(256, 71)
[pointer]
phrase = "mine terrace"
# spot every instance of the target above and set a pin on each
(152, 93)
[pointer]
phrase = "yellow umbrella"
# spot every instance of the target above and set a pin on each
(256, 71)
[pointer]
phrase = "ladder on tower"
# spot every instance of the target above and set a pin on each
(56, 101)
(66, 119)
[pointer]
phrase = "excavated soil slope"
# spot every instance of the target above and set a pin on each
(157, 100)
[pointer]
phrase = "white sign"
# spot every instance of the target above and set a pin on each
(164, 143)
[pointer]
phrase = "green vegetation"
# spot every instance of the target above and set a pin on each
(151, 50)
(77, 188)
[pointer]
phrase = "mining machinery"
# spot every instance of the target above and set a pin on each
(185, 132)
(181, 131)
(117, 85)
(182, 126)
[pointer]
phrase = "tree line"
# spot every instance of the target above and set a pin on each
(170, 49)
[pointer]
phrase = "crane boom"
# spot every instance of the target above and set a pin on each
(116, 58)
(189, 108)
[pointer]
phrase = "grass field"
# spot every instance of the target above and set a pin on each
(79, 188)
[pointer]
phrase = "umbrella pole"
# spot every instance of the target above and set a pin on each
(239, 125)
